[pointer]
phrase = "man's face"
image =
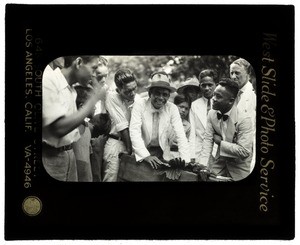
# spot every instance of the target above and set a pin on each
(207, 86)
(192, 92)
(85, 71)
(239, 75)
(159, 97)
(101, 74)
(183, 108)
(222, 99)
(128, 91)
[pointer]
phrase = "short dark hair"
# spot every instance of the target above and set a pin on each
(124, 76)
(83, 93)
(178, 99)
(86, 58)
(208, 73)
(230, 85)
(244, 63)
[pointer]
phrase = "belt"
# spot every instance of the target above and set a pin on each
(114, 137)
(59, 149)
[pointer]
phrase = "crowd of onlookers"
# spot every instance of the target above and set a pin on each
(87, 125)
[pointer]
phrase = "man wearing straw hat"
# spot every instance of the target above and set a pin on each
(151, 121)
(190, 88)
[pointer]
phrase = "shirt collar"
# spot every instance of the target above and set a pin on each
(227, 113)
(205, 99)
(185, 122)
(62, 80)
(243, 89)
(153, 110)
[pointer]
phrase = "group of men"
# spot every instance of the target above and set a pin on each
(222, 132)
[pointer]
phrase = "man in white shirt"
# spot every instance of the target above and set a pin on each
(60, 115)
(246, 98)
(118, 104)
(199, 111)
(151, 121)
(240, 70)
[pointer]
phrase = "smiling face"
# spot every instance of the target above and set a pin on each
(207, 86)
(159, 97)
(239, 75)
(222, 99)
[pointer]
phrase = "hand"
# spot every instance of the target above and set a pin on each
(122, 153)
(99, 89)
(217, 139)
(154, 161)
(203, 172)
(192, 162)
(177, 163)
(242, 152)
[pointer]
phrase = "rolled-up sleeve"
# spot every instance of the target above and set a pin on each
(117, 114)
(52, 105)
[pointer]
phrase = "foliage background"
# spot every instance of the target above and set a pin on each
(178, 67)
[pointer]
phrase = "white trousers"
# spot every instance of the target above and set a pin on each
(111, 159)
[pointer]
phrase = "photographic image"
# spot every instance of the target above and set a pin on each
(149, 120)
(133, 118)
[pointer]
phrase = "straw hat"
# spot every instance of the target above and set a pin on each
(190, 82)
(161, 80)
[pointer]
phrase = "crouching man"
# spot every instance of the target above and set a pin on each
(151, 121)
(232, 130)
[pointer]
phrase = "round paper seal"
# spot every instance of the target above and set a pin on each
(32, 205)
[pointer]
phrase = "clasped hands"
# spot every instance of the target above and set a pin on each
(242, 152)
(155, 162)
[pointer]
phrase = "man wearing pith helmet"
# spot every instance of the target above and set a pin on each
(190, 88)
(151, 121)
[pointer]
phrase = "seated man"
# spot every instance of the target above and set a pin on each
(232, 130)
(150, 122)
